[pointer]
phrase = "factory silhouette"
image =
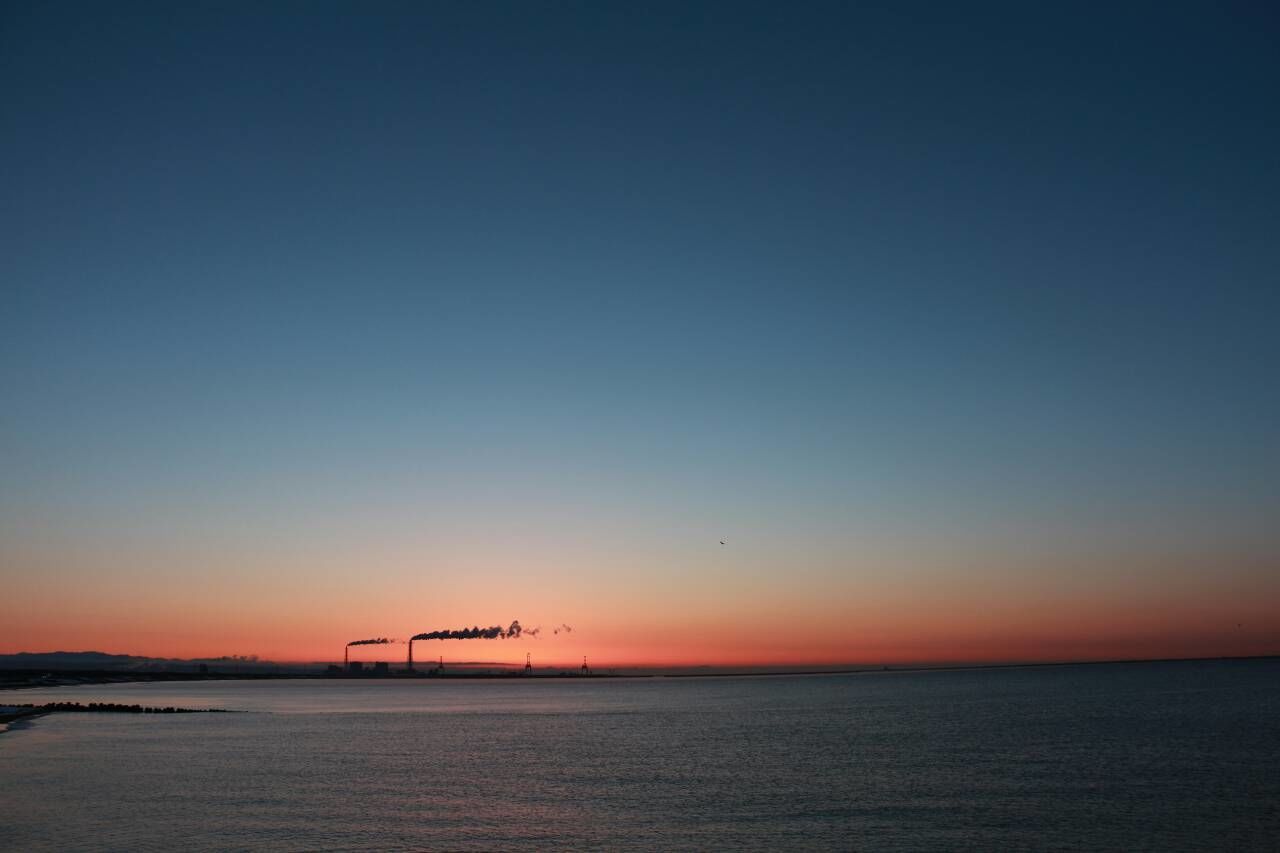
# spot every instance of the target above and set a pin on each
(382, 669)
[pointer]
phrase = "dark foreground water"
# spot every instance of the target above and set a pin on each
(1129, 756)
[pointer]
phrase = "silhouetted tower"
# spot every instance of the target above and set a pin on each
(411, 655)
(528, 663)
(346, 652)
(441, 667)
(585, 671)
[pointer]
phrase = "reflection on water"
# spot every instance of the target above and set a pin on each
(1153, 755)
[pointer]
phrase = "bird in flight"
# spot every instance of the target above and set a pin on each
(721, 541)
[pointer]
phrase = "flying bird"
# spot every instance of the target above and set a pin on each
(721, 541)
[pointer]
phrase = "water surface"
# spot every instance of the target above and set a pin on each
(1156, 756)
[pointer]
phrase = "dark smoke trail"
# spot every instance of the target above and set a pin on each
(533, 632)
(495, 632)
(568, 629)
(380, 641)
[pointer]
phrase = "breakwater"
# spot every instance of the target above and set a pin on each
(11, 712)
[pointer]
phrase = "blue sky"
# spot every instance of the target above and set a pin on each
(1000, 272)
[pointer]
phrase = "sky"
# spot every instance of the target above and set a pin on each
(956, 322)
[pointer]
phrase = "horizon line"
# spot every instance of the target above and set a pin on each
(799, 668)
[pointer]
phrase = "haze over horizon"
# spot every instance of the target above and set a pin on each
(956, 324)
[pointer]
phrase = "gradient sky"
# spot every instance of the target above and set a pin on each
(958, 322)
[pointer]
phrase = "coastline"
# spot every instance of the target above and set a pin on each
(34, 679)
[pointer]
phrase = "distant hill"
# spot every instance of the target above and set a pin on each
(72, 660)
(98, 661)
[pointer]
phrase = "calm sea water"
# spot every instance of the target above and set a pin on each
(1126, 756)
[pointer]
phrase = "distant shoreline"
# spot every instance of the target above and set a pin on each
(21, 679)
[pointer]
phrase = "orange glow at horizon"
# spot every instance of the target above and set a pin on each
(883, 609)
(1041, 635)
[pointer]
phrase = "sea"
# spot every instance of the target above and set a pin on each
(1125, 756)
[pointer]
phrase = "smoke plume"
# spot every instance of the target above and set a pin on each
(496, 632)
(568, 629)
(380, 641)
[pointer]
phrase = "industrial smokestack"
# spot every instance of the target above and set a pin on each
(346, 653)
(495, 632)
